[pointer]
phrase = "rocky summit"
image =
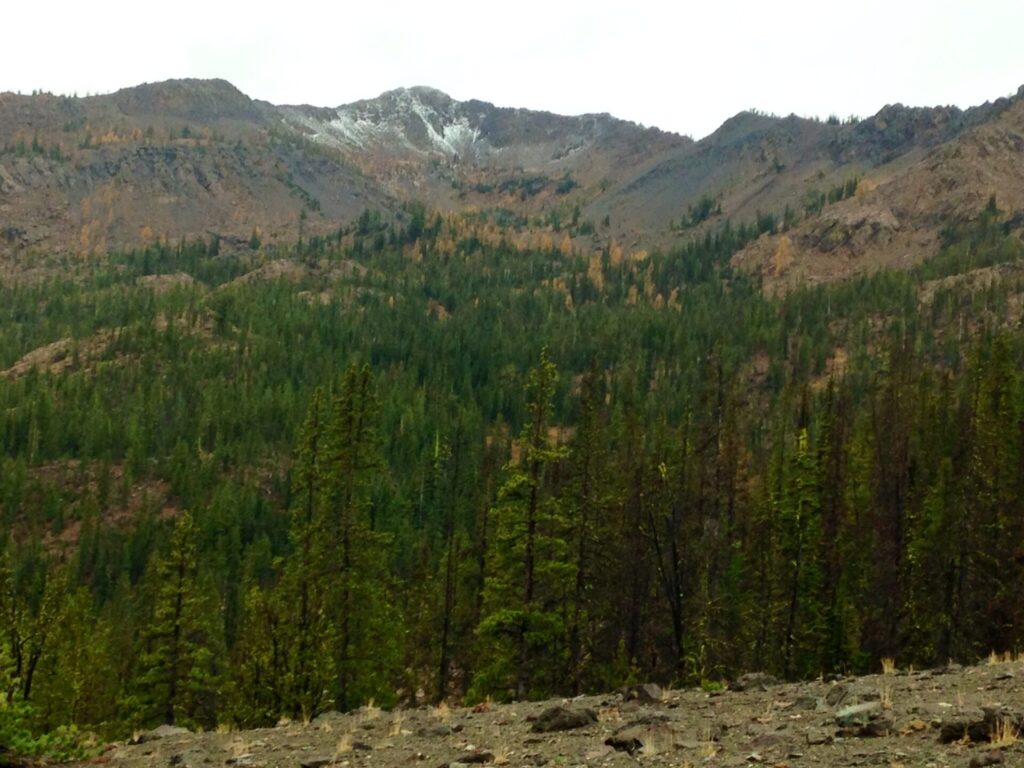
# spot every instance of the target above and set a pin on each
(952, 716)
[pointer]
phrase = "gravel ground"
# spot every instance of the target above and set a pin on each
(947, 717)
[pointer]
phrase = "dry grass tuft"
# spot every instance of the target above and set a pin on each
(344, 745)
(502, 753)
(369, 712)
(888, 665)
(396, 723)
(1002, 658)
(885, 696)
(708, 746)
(1005, 733)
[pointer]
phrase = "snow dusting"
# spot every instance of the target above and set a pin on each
(426, 122)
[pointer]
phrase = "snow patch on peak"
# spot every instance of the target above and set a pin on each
(420, 120)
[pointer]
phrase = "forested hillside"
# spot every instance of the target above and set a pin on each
(432, 457)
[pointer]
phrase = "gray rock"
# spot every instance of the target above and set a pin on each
(629, 740)
(436, 731)
(633, 737)
(864, 720)
(562, 719)
(977, 725)
(995, 757)
(328, 718)
(858, 714)
(648, 693)
(753, 681)
(477, 757)
(765, 741)
(837, 694)
(160, 732)
(806, 702)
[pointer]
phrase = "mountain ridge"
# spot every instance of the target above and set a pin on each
(190, 157)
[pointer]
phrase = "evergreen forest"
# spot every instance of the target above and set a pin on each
(435, 458)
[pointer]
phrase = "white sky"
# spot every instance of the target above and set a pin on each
(681, 66)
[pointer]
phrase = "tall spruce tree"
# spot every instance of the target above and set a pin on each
(179, 680)
(356, 573)
(531, 569)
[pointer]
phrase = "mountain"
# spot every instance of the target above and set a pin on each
(193, 158)
(897, 218)
(542, 416)
(177, 159)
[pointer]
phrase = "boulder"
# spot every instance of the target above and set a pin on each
(753, 681)
(563, 719)
(629, 740)
(477, 757)
(329, 718)
(633, 738)
(160, 732)
(858, 714)
(977, 725)
(865, 720)
(648, 693)
(995, 757)
(837, 694)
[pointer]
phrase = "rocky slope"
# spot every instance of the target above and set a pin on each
(946, 717)
(192, 158)
(896, 219)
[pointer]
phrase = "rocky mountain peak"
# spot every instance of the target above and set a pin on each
(196, 100)
(422, 121)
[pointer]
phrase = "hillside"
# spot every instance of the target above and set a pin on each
(178, 159)
(444, 432)
(199, 158)
(897, 220)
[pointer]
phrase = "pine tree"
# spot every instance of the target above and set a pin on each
(799, 519)
(530, 566)
(179, 678)
(355, 571)
(302, 596)
(588, 522)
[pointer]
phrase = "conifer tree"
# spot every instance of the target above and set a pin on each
(799, 519)
(587, 517)
(179, 678)
(530, 567)
(355, 571)
(302, 593)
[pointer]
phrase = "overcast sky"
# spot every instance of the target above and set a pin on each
(681, 66)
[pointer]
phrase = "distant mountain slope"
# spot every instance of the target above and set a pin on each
(759, 163)
(898, 220)
(189, 158)
(177, 159)
(419, 142)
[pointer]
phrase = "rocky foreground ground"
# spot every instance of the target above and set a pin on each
(955, 716)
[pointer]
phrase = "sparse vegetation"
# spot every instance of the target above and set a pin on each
(705, 208)
(1005, 733)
